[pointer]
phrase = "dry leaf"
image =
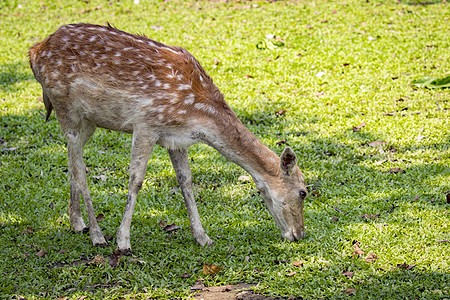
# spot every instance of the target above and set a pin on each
(162, 224)
(185, 275)
(380, 162)
(98, 260)
(244, 178)
(377, 143)
(334, 219)
(350, 291)
(349, 274)
(101, 177)
(371, 257)
(291, 274)
(415, 198)
(298, 263)
(367, 216)
(210, 269)
(100, 217)
(281, 142)
(198, 286)
(320, 94)
(357, 251)
(396, 170)
(171, 227)
(41, 253)
(358, 128)
(280, 112)
(248, 76)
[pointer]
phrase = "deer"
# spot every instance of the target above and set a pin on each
(99, 76)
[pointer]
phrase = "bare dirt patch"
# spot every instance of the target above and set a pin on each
(241, 291)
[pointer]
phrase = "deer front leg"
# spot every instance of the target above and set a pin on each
(78, 182)
(180, 162)
(141, 150)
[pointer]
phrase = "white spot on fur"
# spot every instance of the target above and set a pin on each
(189, 99)
(182, 112)
(158, 83)
(206, 108)
(166, 86)
(117, 54)
(182, 87)
(93, 38)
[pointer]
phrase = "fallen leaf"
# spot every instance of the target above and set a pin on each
(100, 217)
(358, 128)
(190, 37)
(41, 253)
(185, 275)
(367, 216)
(156, 27)
(244, 178)
(377, 143)
(248, 76)
(357, 251)
(198, 286)
(404, 266)
(98, 260)
(171, 227)
(247, 258)
(162, 224)
(380, 162)
(396, 170)
(298, 263)
(210, 269)
(350, 291)
(349, 274)
(291, 274)
(101, 177)
(320, 94)
(416, 198)
(371, 257)
(29, 230)
(10, 149)
(315, 194)
(389, 114)
(420, 137)
(281, 142)
(280, 112)
(334, 219)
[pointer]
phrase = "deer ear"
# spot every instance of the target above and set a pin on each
(288, 161)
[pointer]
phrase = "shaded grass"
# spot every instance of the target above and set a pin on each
(366, 55)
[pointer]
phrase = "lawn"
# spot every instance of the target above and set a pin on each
(331, 79)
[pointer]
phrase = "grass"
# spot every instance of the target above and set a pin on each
(342, 63)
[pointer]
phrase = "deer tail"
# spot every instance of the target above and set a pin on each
(48, 106)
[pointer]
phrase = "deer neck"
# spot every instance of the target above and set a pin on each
(236, 143)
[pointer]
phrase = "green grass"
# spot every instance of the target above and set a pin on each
(342, 63)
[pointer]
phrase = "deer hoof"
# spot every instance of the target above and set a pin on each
(101, 245)
(126, 252)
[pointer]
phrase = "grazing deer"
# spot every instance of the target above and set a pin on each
(95, 76)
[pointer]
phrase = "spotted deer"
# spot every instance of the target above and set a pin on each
(96, 76)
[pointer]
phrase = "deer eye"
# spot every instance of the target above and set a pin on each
(302, 193)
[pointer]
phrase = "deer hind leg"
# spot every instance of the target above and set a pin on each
(76, 220)
(141, 149)
(77, 133)
(180, 162)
